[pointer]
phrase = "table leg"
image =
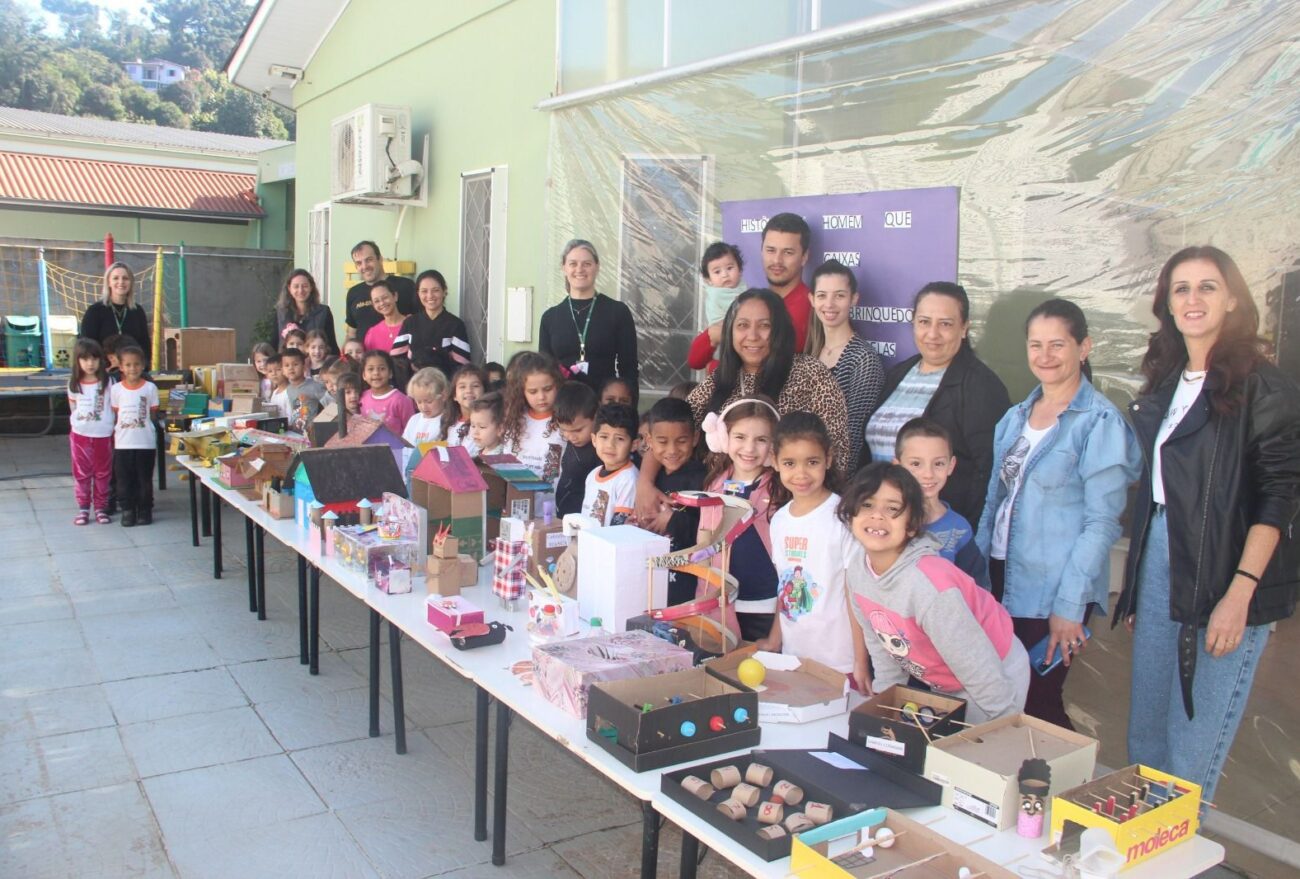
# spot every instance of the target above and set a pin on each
(161, 457)
(194, 508)
(499, 784)
(314, 624)
(480, 762)
(216, 535)
(690, 856)
(259, 537)
(251, 554)
(374, 672)
(302, 610)
(649, 840)
(205, 508)
(399, 700)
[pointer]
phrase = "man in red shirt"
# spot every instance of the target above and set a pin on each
(785, 253)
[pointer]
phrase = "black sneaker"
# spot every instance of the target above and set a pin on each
(144, 517)
(128, 518)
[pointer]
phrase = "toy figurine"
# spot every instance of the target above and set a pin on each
(1035, 778)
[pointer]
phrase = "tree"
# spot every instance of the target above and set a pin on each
(102, 101)
(80, 20)
(200, 33)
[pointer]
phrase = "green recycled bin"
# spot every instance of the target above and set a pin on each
(22, 340)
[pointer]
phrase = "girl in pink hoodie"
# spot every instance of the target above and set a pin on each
(923, 617)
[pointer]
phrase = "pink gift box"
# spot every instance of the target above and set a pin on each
(563, 671)
(447, 612)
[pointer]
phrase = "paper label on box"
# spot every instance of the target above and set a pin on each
(521, 508)
(838, 760)
(975, 807)
(556, 540)
(940, 778)
(887, 746)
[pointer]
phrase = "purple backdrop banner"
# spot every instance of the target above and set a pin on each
(895, 242)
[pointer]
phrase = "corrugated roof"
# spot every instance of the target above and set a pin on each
(104, 130)
(56, 181)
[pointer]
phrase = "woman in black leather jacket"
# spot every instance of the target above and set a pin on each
(1213, 557)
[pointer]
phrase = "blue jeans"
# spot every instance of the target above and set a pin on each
(1159, 733)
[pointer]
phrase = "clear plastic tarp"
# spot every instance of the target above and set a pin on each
(1090, 139)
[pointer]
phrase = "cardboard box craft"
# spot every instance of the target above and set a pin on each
(546, 542)
(187, 347)
(563, 671)
(842, 775)
(1162, 820)
(279, 504)
(979, 768)
(612, 574)
(807, 691)
(512, 490)
(645, 740)
(446, 613)
(449, 576)
(815, 854)
(234, 372)
(881, 724)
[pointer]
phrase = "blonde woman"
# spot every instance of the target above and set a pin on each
(117, 313)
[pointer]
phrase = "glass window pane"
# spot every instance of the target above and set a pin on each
(706, 30)
(843, 11)
(604, 41)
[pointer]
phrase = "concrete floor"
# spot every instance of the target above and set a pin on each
(150, 726)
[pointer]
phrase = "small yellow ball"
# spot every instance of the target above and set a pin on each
(751, 672)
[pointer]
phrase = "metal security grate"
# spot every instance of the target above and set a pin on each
(475, 241)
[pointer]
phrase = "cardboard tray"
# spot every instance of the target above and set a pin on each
(847, 791)
(814, 853)
(876, 725)
(807, 693)
(653, 739)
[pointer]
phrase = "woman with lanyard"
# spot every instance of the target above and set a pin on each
(1213, 555)
(117, 314)
(590, 335)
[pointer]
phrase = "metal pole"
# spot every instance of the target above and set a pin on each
(157, 359)
(185, 302)
(109, 256)
(47, 340)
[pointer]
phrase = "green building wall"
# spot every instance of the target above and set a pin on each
(471, 73)
(75, 226)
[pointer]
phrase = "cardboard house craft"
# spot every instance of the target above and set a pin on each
(324, 425)
(231, 471)
(338, 478)
(512, 490)
(448, 485)
(369, 432)
(266, 461)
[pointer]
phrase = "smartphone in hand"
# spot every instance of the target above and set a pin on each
(1038, 653)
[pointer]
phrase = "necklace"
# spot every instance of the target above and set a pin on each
(119, 316)
(1193, 377)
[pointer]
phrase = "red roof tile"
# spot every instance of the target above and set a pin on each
(91, 183)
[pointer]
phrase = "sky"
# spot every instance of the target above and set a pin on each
(52, 21)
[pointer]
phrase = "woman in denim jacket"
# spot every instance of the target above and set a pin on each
(1063, 460)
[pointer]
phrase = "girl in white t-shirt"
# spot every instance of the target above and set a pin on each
(532, 436)
(811, 550)
(91, 436)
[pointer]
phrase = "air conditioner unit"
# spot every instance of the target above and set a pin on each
(371, 149)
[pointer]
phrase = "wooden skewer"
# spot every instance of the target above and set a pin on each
(869, 843)
(1033, 752)
(896, 870)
